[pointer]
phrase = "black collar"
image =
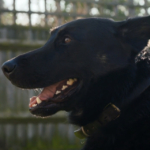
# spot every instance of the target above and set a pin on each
(110, 112)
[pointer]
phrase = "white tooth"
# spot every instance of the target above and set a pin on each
(70, 81)
(75, 79)
(57, 92)
(64, 87)
(34, 105)
(38, 100)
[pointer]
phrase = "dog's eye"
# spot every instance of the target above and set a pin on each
(67, 40)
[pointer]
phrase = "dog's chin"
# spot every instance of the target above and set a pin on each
(55, 97)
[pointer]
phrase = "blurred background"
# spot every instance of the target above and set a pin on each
(24, 26)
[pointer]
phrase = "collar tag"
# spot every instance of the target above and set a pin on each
(110, 112)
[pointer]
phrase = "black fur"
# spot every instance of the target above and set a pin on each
(111, 59)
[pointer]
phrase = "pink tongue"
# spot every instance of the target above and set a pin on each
(32, 101)
(48, 92)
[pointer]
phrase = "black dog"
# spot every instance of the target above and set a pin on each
(85, 65)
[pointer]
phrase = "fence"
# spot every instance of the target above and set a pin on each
(30, 20)
(18, 35)
(56, 12)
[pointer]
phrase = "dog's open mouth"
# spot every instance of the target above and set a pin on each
(55, 93)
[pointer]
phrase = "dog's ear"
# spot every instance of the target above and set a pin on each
(136, 32)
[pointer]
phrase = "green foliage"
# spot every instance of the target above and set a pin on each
(56, 143)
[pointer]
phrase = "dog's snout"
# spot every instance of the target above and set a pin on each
(8, 68)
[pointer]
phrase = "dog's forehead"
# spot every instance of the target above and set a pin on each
(90, 23)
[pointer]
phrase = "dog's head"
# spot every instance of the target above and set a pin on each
(73, 65)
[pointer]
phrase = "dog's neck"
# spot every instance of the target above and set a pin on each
(110, 113)
(127, 78)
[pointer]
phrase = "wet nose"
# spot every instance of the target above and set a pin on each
(8, 67)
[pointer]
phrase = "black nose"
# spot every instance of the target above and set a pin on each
(8, 67)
